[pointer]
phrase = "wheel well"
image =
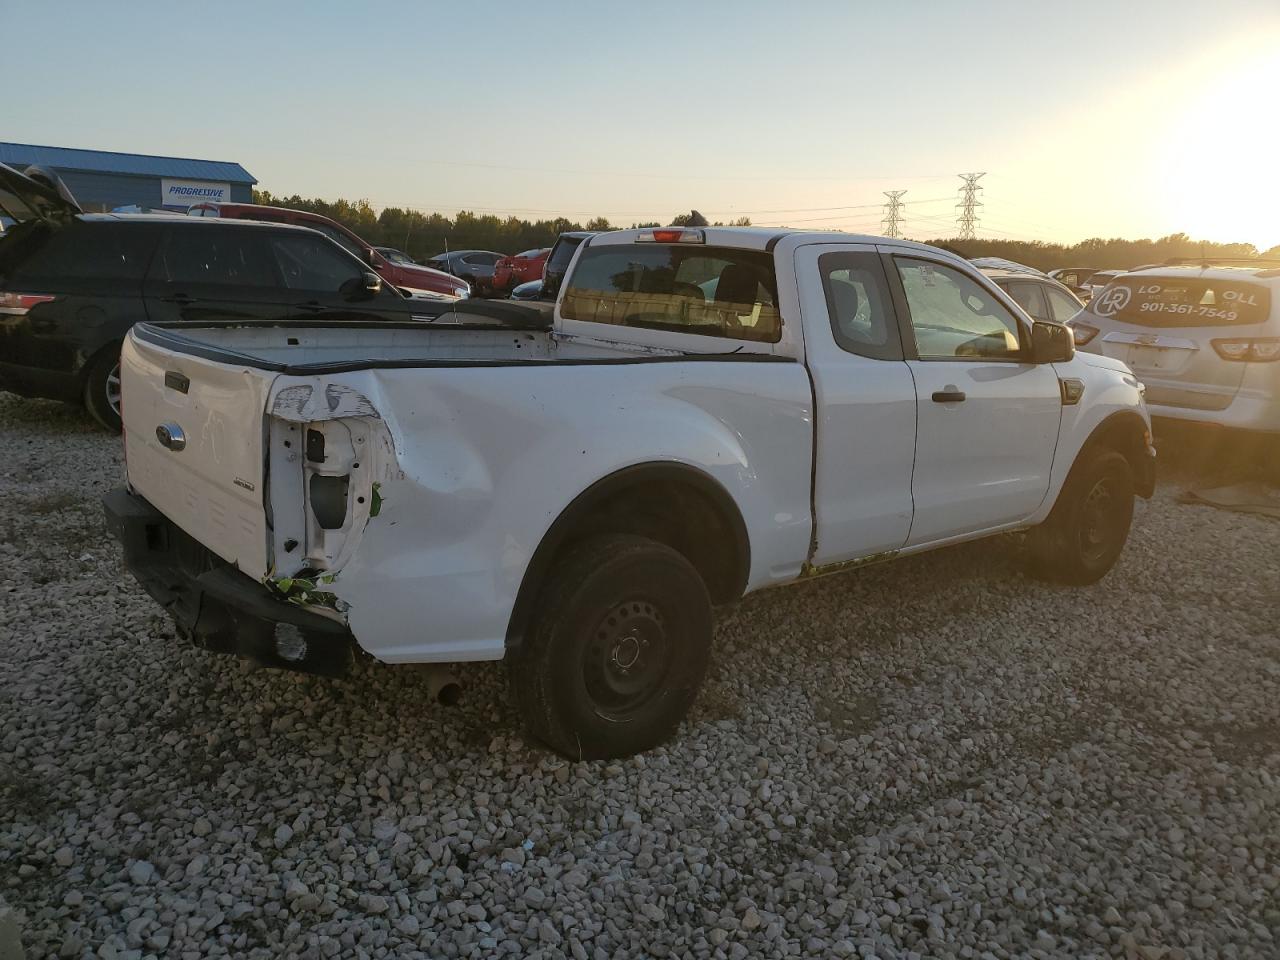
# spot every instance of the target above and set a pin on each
(92, 358)
(673, 504)
(1128, 435)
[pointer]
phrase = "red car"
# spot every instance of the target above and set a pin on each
(401, 271)
(510, 272)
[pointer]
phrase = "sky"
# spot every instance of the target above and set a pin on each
(1132, 118)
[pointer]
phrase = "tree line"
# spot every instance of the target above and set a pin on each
(423, 235)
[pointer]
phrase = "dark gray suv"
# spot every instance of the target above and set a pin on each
(72, 284)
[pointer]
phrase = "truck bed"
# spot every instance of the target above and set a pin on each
(311, 347)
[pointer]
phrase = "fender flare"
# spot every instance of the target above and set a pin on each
(628, 478)
(1126, 432)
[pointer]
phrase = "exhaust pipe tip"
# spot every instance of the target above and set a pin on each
(444, 688)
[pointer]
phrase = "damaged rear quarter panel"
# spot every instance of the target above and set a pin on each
(482, 460)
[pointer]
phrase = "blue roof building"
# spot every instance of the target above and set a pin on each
(102, 181)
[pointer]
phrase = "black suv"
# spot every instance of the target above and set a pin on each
(72, 284)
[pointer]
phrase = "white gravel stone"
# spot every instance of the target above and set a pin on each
(933, 758)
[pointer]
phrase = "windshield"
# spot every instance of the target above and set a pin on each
(712, 291)
(1183, 301)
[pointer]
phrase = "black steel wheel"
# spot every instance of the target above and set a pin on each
(615, 659)
(1084, 535)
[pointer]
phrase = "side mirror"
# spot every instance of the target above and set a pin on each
(367, 285)
(1051, 342)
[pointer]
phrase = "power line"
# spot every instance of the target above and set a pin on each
(968, 205)
(893, 214)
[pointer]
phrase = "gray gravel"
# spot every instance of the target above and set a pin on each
(933, 758)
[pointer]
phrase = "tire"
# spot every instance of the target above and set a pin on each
(102, 389)
(1082, 538)
(614, 659)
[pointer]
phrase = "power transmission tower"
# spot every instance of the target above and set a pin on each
(893, 214)
(968, 206)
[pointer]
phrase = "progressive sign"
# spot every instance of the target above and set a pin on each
(183, 193)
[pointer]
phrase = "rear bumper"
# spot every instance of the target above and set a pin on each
(1242, 413)
(215, 605)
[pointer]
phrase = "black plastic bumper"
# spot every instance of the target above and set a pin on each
(213, 603)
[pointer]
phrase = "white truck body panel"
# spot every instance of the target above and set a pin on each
(213, 488)
(462, 448)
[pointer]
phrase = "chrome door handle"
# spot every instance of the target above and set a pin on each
(171, 437)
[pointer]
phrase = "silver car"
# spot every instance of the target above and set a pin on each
(1204, 337)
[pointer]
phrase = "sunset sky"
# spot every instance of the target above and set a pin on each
(1091, 119)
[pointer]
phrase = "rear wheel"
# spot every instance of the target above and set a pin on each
(1083, 536)
(102, 389)
(615, 660)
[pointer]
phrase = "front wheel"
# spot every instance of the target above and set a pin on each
(1083, 536)
(102, 389)
(615, 658)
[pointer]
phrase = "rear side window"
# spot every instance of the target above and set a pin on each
(1183, 301)
(214, 255)
(859, 305)
(711, 291)
(1028, 296)
(78, 251)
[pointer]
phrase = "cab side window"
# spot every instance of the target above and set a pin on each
(859, 305)
(953, 317)
(313, 263)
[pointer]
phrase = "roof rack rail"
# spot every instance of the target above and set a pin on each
(1217, 261)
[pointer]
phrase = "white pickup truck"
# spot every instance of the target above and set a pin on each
(703, 413)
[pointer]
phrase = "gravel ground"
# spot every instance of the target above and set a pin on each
(933, 758)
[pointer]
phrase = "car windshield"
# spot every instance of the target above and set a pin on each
(713, 291)
(1183, 301)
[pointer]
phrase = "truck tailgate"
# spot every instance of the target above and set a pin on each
(194, 446)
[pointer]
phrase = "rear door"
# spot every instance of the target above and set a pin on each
(214, 270)
(865, 397)
(194, 447)
(987, 420)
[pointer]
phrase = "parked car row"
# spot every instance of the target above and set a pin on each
(72, 284)
(393, 266)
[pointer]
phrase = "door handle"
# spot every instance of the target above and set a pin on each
(171, 437)
(313, 305)
(949, 395)
(180, 298)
